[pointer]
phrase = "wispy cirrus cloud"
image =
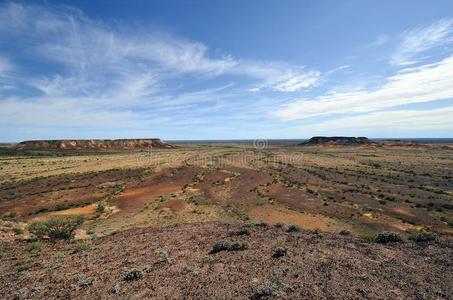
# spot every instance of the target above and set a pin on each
(415, 85)
(5, 65)
(85, 73)
(278, 76)
(63, 69)
(419, 40)
(6, 68)
(87, 47)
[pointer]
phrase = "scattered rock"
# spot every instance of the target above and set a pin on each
(116, 288)
(279, 252)
(134, 275)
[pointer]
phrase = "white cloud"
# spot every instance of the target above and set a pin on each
(391, 123)
(97, 76)
(297, 83)
(277, 76)
(90, 49)
(71, 112)
(422, 84)
(5, 65)
(422, 39)
(6, 68)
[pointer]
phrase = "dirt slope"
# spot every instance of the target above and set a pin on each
(175, 263)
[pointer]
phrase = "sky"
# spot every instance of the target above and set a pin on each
(182, 70)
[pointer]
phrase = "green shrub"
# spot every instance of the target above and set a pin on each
(11, 217)
(82, 245)
(34, 248)
(60, 207)
(241, 231)
(387, 237)
(226, 245)
(421, 237)
(56, 227)
(134, 275)
(274, 288)
(18, 230)
(344, 232)
(279, 225)
(100, 208)
(293, 228)
(261, 223)
(279, 252)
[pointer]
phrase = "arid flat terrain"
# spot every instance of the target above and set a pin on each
(362, 189)
(187, 198)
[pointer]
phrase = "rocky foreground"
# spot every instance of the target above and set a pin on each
(226, 261)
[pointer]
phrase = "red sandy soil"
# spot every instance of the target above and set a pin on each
(176, 263)
(73, 189)
(164, 182)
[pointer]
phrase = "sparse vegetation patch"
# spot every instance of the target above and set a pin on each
(227, 245)
(55, 227)
(387, 237)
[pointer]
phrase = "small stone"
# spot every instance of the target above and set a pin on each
(134, 275)
(280, 251)
(116, 288)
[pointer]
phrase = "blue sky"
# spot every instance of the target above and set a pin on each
(225, 69)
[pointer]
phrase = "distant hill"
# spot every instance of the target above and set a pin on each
(120, 144)
(364, 141)
(337, 140)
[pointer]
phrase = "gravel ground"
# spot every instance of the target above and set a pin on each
(176, 262)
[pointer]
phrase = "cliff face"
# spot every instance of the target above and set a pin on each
(93, 144)
(337, 140)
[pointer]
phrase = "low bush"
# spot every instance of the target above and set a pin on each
(34, 248)
(241, 231)
(227, 245)
(344, 232)
(426, 236)
(56, 227)
(274, 288)
(279, 225)
(134, 275)
(82, 245)
(293, 228)
(279, 252)
(18, 230)
(100, 208)
(387, 237)
(261, 224)
(11, 217)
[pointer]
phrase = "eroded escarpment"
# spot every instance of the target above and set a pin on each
(337, 140)
(93, 144)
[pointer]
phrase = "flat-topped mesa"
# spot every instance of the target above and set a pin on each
(120, 144)
(338, 140)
